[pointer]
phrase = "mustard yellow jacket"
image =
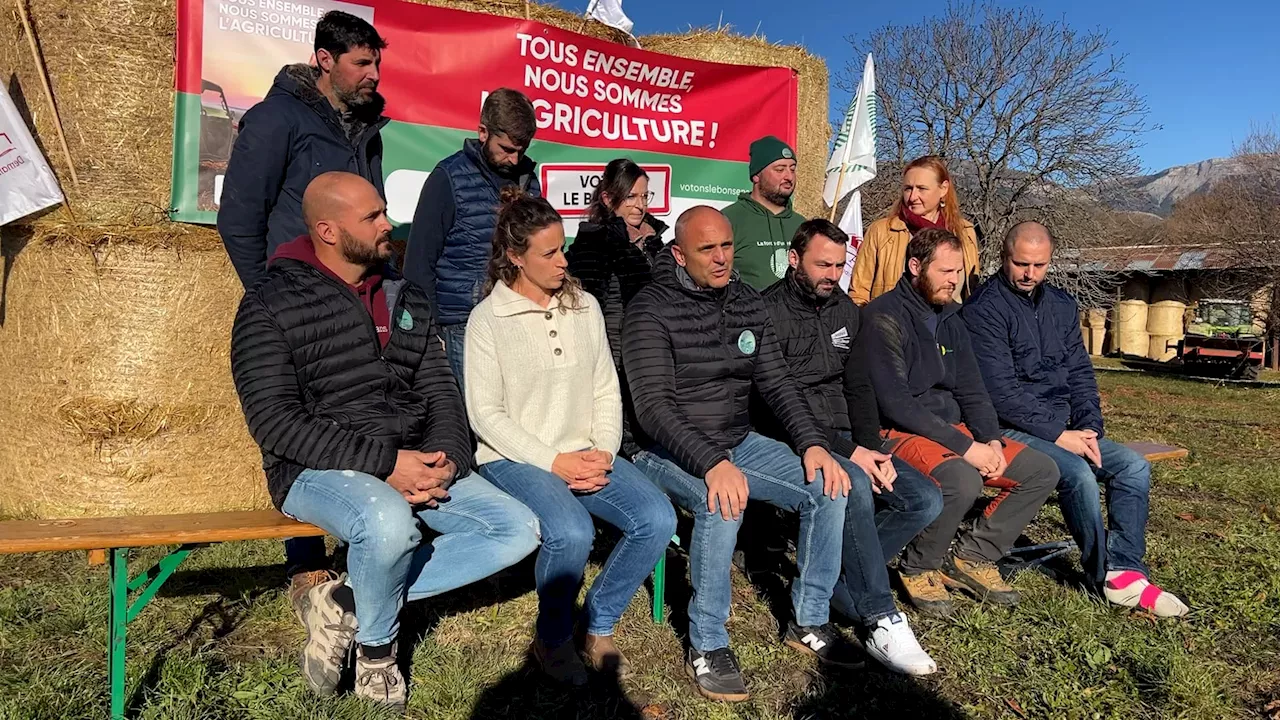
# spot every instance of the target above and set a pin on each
(883, 256)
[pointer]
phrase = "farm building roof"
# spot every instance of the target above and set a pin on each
(1152, 258)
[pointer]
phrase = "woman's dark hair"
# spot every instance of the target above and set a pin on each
(619, 177)
(520, 216)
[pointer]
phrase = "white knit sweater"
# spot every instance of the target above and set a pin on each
(539, 381)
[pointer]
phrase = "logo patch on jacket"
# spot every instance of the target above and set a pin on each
(747, 342)
(840, 338)
(405, 321)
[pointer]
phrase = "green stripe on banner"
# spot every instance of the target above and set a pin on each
(186, 161)
(419, 147)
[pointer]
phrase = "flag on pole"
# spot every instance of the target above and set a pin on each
(851, 223)
(853, 159)
(610, 13)
(27, 184)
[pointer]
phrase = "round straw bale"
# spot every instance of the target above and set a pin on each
(813, 131)
(118, 397)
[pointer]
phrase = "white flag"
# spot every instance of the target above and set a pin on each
(610, 13)
(27, 184)
(855, 149)
(851, 223)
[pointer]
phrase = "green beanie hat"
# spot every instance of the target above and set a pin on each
(767, 151)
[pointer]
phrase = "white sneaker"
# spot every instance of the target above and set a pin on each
(894, 645)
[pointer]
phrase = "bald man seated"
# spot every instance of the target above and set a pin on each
(363, 432)
(1026, 336)
(696, 343)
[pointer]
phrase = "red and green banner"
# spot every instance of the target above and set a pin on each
(688, 122)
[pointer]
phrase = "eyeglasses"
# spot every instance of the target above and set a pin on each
(639, 199)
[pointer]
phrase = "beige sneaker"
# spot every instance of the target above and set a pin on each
(300, 583)
(601, 653)
(380, 681)
(980, 579)
(928, 594)
(330, 633)
(561, 663)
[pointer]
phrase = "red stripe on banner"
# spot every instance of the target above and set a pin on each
(588, 92)
(190, 33)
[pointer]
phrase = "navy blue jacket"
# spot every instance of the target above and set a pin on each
(1033, 359)
(284, 142)
(452, 233)
(925, 380)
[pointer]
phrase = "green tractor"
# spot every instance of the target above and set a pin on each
(1222, 341)
(217, 125)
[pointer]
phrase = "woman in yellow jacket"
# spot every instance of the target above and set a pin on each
(928, 200)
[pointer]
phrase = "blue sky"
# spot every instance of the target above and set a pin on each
(1208, 68)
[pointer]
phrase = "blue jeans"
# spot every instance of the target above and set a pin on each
(629, 502)
(455, 338)
(483, 530)
(1127, 477)
(776, 476)
(876, 528)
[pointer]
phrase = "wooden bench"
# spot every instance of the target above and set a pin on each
(1153, 452)
(110, 539)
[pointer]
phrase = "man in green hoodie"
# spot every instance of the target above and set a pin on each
(763, 221)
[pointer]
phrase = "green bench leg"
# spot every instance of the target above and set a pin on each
(659, 587)
(660, 583)
(119, 559)
(122, 612)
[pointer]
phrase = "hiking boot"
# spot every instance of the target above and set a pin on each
(717, 674)
(980, 579)
(601, 653)
(379, 680)
(928, 593)
(330, 634)
(300, 583)
(892, 643)
(825, 643)
(561, 663)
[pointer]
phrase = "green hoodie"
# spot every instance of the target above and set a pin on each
(761, 240)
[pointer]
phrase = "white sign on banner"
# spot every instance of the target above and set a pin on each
(570, 187)
(27, 184)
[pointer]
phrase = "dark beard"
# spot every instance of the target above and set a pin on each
(777, 197)
(356, 254)
(809, 287)
(926, 289)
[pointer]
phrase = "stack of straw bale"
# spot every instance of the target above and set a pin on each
(813, 131)
(115, 324)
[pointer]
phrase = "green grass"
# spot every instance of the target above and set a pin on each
(221, 642)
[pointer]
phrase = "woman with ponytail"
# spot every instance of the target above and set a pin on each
(542, 394)
(928, 200)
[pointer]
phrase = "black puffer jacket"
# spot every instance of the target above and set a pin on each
(693, 355)
(319, 392)
(614, 269)
(816, 337)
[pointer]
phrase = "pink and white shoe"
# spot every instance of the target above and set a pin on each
(1131, 588)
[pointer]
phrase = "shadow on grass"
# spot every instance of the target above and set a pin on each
(527, 693)
(872, 693)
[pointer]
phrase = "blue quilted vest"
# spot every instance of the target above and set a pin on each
(460, 272)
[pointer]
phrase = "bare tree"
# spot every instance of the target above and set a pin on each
(1033, 116)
